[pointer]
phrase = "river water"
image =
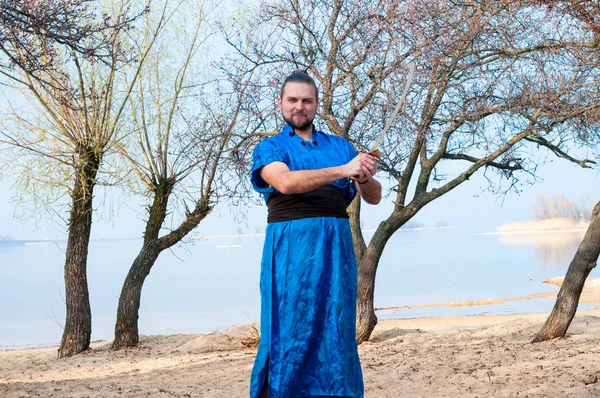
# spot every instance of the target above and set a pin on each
(211, 284)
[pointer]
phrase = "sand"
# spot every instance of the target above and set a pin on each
(474, 356)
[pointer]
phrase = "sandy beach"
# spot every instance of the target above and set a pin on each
(473, 356)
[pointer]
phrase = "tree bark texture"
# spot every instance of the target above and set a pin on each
(357, 237)
(78, 324)
(567, 301)
(126, 327)
(367, 269)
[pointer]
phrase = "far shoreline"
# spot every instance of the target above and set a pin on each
(549, 225)
(529, 232)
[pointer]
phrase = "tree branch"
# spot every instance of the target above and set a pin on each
(540, 141)
(503, 166)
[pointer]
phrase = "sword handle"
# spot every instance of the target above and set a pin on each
(376, 154)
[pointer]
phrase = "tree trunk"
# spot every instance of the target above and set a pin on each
(357, 237)
(78, 324)
(126, 327)
(367, 268)
(568, 297)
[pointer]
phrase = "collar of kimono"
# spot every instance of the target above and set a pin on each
(288, 130)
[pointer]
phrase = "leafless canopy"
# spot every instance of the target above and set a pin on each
(486, 72)
(32, 32)
(500, 86)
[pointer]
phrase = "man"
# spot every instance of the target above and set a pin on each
(308, 271)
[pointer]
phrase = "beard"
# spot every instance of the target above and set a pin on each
(299, 126)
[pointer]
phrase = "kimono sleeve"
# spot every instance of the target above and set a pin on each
(266, 152)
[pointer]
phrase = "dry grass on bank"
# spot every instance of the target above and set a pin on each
(551, 224)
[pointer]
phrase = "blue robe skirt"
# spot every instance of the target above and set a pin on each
(308, 320)
(308, 287)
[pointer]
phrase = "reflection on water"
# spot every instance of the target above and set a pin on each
(552, 250)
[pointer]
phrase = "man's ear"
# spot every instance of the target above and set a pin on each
(279, 102)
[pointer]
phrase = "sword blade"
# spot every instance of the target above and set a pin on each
(409, 79)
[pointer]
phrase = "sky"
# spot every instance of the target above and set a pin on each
(468, 207)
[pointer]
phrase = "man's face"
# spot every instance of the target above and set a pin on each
(299, 105)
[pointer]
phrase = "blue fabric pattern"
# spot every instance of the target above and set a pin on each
(308, 284)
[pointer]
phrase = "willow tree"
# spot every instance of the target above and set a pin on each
(78, 107)
(497, 88)
(185, 118)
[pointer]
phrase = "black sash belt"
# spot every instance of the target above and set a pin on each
(325, 201)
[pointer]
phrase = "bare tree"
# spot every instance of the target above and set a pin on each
(587, 12)
(586, 204)
(181, 150)
(79, 104)
(541, 207)
(494, 85)
(558, 206)
(567, 300)
(34, 33)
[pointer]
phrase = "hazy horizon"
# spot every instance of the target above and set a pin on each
(468, 206)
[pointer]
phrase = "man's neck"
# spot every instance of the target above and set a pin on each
(305, 134)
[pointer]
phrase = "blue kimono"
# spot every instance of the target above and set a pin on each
(308, 284)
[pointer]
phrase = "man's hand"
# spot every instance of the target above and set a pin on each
(369, 167)
(366, 186)
(354, 168)
(362, 167)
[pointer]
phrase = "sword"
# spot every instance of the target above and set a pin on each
(409, 78)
